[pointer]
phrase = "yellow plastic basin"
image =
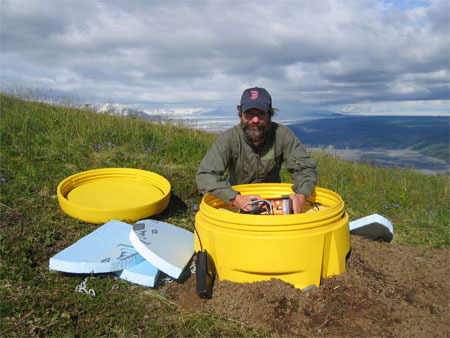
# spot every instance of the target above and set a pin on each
(299, 249)
(101, 195)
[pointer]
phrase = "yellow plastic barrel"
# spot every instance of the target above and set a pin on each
(299, 249)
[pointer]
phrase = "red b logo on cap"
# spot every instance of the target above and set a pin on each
(254, 94)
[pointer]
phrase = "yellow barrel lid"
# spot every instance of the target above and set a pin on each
(124, 194)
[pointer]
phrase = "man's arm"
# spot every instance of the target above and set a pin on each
(212, 167)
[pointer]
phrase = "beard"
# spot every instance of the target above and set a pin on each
(254, 134)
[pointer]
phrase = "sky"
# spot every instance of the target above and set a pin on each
(346, 56)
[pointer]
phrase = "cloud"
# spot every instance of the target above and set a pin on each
(318, 55)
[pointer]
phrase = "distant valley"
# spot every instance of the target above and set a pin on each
(428, 136)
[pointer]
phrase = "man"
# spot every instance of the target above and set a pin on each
(253, 152)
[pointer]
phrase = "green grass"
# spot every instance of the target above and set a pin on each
(41, 144)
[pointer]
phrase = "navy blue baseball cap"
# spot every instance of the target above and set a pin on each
(256, 98)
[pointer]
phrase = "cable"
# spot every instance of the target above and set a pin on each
(259, 207)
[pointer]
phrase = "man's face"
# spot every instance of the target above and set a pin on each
(255, 123)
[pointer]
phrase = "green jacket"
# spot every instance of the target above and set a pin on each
(247, 164)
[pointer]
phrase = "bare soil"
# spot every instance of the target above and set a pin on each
(388, 290)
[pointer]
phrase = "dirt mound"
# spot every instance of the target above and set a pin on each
(388, 290)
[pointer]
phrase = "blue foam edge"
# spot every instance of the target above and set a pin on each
(142, 273)
(375, 218)
(373, 227)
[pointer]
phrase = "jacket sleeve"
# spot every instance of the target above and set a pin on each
(210, 173)
(300, 164)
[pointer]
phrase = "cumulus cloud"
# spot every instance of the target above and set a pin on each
(309, 54)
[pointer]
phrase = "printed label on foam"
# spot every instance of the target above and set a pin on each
(167, 247)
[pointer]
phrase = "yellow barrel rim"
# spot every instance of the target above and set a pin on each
(210, 210)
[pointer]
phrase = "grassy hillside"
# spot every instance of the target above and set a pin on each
(41, 144)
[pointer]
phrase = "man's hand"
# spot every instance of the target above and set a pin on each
(297, 202)
(240, 200)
